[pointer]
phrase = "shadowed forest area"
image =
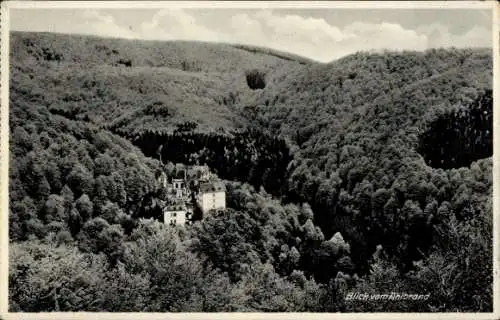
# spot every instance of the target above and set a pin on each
(371, 173)
(456, 139)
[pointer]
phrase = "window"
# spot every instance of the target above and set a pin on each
(172, 222)
(174, 214)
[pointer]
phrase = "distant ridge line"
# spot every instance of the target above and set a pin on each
(275, 53)
(250, 48)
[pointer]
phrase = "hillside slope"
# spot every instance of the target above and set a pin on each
(133, 85)
(357, 123)
(357, 139)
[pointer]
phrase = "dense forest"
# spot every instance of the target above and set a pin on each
(247, 156)
(467, 134)
(372, 173)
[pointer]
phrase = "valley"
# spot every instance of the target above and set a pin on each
(333, 172)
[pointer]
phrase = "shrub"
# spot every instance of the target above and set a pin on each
(256, 79)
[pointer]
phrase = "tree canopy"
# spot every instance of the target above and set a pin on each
(372, 173)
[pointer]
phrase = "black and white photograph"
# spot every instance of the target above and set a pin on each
(248, 157)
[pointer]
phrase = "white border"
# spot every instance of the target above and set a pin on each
(4, 98)
(4, 157)
(496, 158)
(254, 4)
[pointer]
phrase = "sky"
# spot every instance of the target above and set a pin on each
(319, 34)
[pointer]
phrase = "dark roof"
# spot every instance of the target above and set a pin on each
(175, 203)
(212, 187)
(176, 208)
(179, 174)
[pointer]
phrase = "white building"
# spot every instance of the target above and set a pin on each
(212, 196)
(163, 180)
(179, 188)
(175, 214)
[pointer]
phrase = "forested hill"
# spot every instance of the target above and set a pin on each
(364, 126)
(364, 117)
(368, 150)
(137, 85)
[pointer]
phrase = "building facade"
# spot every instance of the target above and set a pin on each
(179, 188)
(163, 180)
(175, 214)
(212, 196)
(178, 205)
